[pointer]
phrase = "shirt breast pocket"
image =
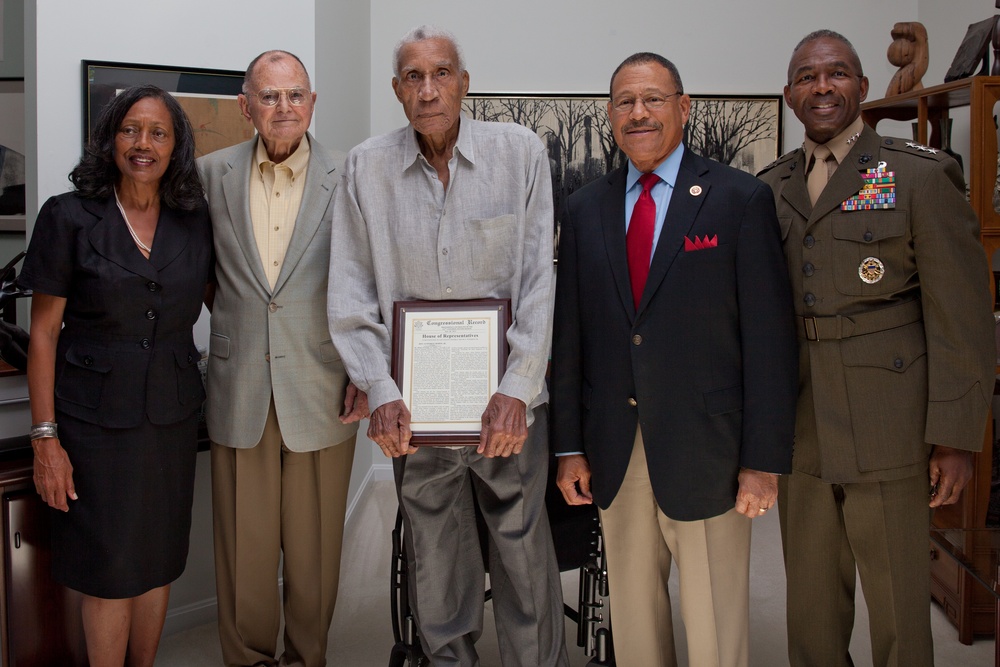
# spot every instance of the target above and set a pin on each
(493, 247)
(870, 250)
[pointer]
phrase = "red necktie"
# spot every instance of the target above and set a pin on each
(639, 238)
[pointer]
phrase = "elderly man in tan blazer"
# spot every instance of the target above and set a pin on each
(281, 458)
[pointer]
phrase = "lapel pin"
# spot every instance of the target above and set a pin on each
(695, 190)
(865, 158)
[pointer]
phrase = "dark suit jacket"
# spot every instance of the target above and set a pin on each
(707, 366)
(126, 350)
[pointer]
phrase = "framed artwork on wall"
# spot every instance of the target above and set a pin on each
(12, 164)
(208, 96)
(743, 131)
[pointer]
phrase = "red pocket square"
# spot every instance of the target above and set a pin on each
(701, 243)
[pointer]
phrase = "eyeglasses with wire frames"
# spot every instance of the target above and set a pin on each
(269, 97)
(652, 101)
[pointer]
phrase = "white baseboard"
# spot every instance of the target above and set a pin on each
(381, 472)
(190, 616)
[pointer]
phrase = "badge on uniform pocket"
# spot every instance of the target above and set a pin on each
(871, 270)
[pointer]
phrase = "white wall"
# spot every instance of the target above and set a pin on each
(342, 85)
(342, 67)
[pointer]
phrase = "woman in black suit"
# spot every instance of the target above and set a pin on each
(119, 268)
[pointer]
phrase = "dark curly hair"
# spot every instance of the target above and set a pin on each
(97, 174)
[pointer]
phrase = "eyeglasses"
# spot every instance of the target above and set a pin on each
(269, 97)
(653, 101)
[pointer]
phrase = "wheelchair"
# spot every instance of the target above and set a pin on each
(576, 535)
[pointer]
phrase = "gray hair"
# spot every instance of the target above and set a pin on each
(270, 57)
(825, 33)
(421, 33)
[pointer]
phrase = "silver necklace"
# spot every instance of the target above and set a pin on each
(131, 231)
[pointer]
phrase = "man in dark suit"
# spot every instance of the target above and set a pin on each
(891, 294)
(679, 387)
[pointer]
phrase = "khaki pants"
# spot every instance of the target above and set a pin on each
(713, 561)
(267, 502)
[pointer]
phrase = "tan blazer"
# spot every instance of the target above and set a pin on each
(905, 361)
(276, 342)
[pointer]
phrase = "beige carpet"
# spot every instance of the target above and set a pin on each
(361, 635)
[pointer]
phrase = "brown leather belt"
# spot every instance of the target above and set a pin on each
(838, 327)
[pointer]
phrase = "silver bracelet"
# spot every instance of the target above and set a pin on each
(44, 430)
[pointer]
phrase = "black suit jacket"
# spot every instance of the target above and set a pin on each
(126, 350)
(707, 365)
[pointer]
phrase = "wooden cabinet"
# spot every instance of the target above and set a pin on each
(968, 606)
(40, 621)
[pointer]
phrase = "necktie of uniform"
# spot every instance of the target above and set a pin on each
(823, 167)
(639, 238)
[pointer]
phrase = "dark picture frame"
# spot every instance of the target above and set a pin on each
(743, 131)
(12, 158)
(413, 316)
(208, 96)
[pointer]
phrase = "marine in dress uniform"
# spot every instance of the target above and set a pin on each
(891, 294)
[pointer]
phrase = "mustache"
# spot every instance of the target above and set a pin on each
(644, 125)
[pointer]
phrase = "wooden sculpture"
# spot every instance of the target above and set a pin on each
(908, 52)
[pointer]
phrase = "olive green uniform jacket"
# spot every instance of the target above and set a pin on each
(890, 367)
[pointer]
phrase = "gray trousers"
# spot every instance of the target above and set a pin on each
(444, 560)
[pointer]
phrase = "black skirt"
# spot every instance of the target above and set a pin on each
(129, 531)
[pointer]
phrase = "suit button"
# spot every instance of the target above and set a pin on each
(809, 299)
(88, 361)
(898, 363)
(637, 339)
(150, 314)
(808, 268)
(809, 241)
(632, 401)
(190, 358)
(145, 344)
(267, 357)
(273, 307)
(153, 286)
(868, 236)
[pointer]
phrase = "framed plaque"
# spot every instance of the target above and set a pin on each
(447, 359)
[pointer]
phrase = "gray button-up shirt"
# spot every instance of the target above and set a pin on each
(398, 235)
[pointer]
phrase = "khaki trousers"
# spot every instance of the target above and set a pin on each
(267, 502)
(713, 561)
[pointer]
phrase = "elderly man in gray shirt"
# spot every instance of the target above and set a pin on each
(449, 208)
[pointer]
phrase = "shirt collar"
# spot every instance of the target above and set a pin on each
(840, 145)
(463, 145)
(296, 162)
(666, 170)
